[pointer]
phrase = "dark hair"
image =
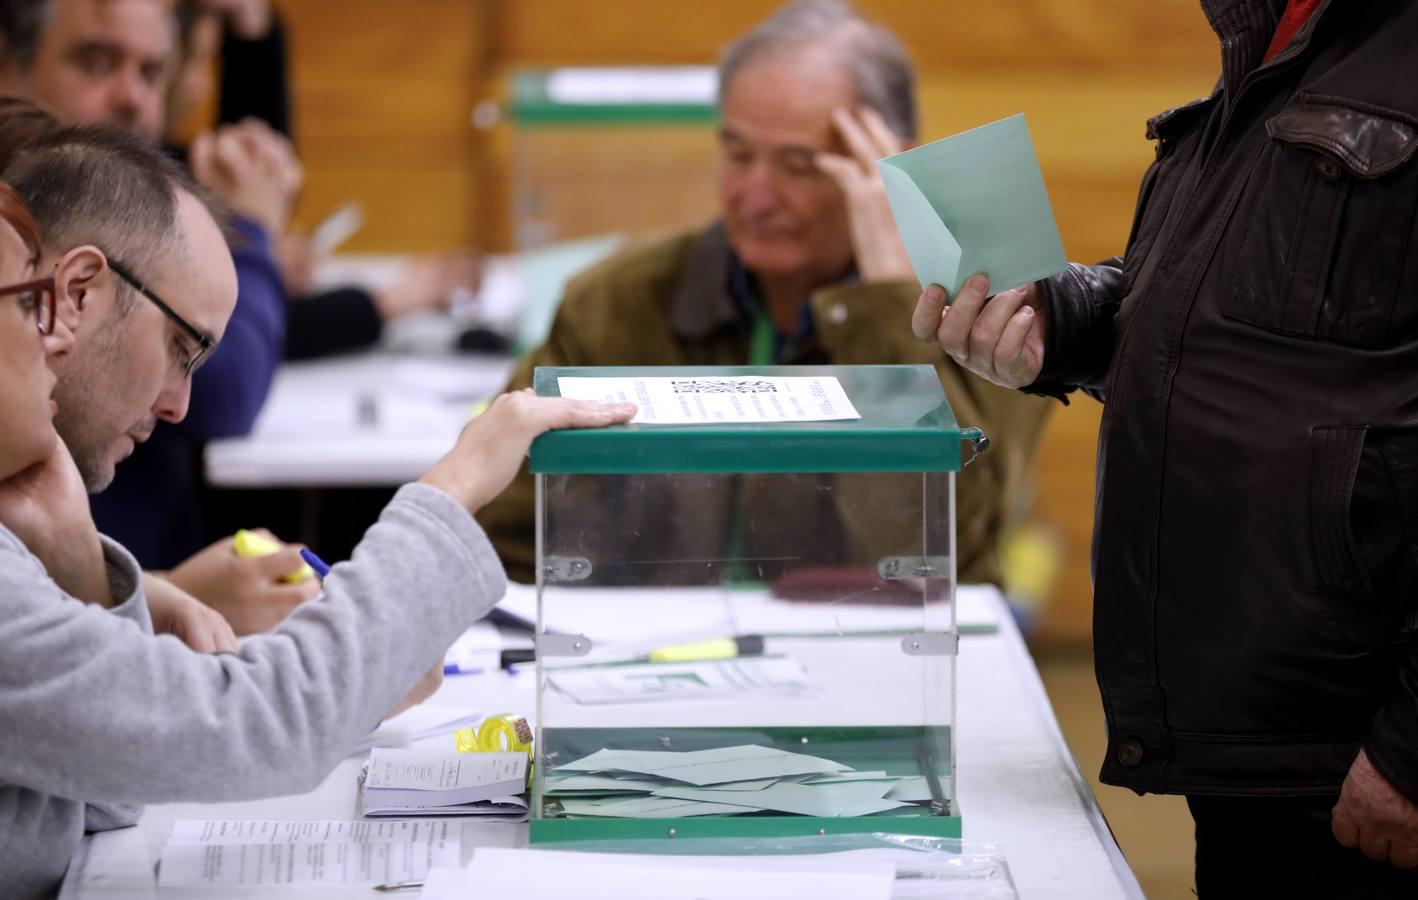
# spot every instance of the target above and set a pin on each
(21, 24)
(22, 122)
(14, 211)
(107, 188)
(881, 73)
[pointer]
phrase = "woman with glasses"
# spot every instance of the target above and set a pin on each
(27, 322)
(99, 714)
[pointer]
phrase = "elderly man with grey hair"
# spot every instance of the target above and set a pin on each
(803, 266)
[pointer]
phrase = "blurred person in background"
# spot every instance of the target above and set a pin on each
(234, 52)
(803, 266)
(109, 62)
(113, 62)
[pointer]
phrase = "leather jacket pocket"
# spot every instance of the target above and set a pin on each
(1363, 485)
(1332, 225)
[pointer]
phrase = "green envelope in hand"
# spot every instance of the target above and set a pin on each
(975, 202)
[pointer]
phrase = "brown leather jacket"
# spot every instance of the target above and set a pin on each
(665, 303)
(1256, 538)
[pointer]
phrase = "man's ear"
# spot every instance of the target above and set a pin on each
(78, 277)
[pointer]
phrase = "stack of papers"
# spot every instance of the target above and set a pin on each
(725, 781)
(268, 853)
(435, 783)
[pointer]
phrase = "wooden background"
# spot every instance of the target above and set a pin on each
(385, 93)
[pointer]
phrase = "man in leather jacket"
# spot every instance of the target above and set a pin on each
(1256, 536)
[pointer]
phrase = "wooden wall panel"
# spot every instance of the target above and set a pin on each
(381, 116)
(1038, 34)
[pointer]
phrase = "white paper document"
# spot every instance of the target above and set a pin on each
(603, 876)
(749, 677)
(269, 853)
(436, 778)
(695, 400)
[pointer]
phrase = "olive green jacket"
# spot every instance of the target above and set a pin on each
(666, 303)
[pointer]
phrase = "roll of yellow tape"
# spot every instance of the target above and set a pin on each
(505, 733)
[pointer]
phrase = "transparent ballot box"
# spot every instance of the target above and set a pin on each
(748, 628)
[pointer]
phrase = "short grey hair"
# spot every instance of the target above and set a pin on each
(881, 72)
(22, 24)
(103, 187)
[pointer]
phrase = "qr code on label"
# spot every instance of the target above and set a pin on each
(711, 386)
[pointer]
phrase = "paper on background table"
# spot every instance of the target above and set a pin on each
(972, 203)
(691, 400)
(748, 678)
(500, 872)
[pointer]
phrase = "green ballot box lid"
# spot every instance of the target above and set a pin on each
(905, 424)
(601, 96)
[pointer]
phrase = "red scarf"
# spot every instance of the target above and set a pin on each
(1295, 15)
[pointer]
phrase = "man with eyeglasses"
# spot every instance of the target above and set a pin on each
(110, 62)
(120, 228)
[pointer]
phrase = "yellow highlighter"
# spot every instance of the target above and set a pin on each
(249, 543)
(722, 648)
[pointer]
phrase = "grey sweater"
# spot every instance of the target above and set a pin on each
(98, 715)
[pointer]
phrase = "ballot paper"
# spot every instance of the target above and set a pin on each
(745, 678)
(264, 853)
(730, 781)
(975, 203)
(403, 782)
(848, 798)
(703, 400)
(704, 767)
(651, 808)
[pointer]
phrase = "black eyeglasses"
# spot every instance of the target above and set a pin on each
(39, 296)
(205, 345)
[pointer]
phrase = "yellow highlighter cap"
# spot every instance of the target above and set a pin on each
(721, 648)
(249, 544)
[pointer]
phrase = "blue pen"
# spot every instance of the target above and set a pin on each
(319, 565)
(455, 669)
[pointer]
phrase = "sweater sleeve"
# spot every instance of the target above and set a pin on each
(231, 387)
(125, 583)
(106, 712)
